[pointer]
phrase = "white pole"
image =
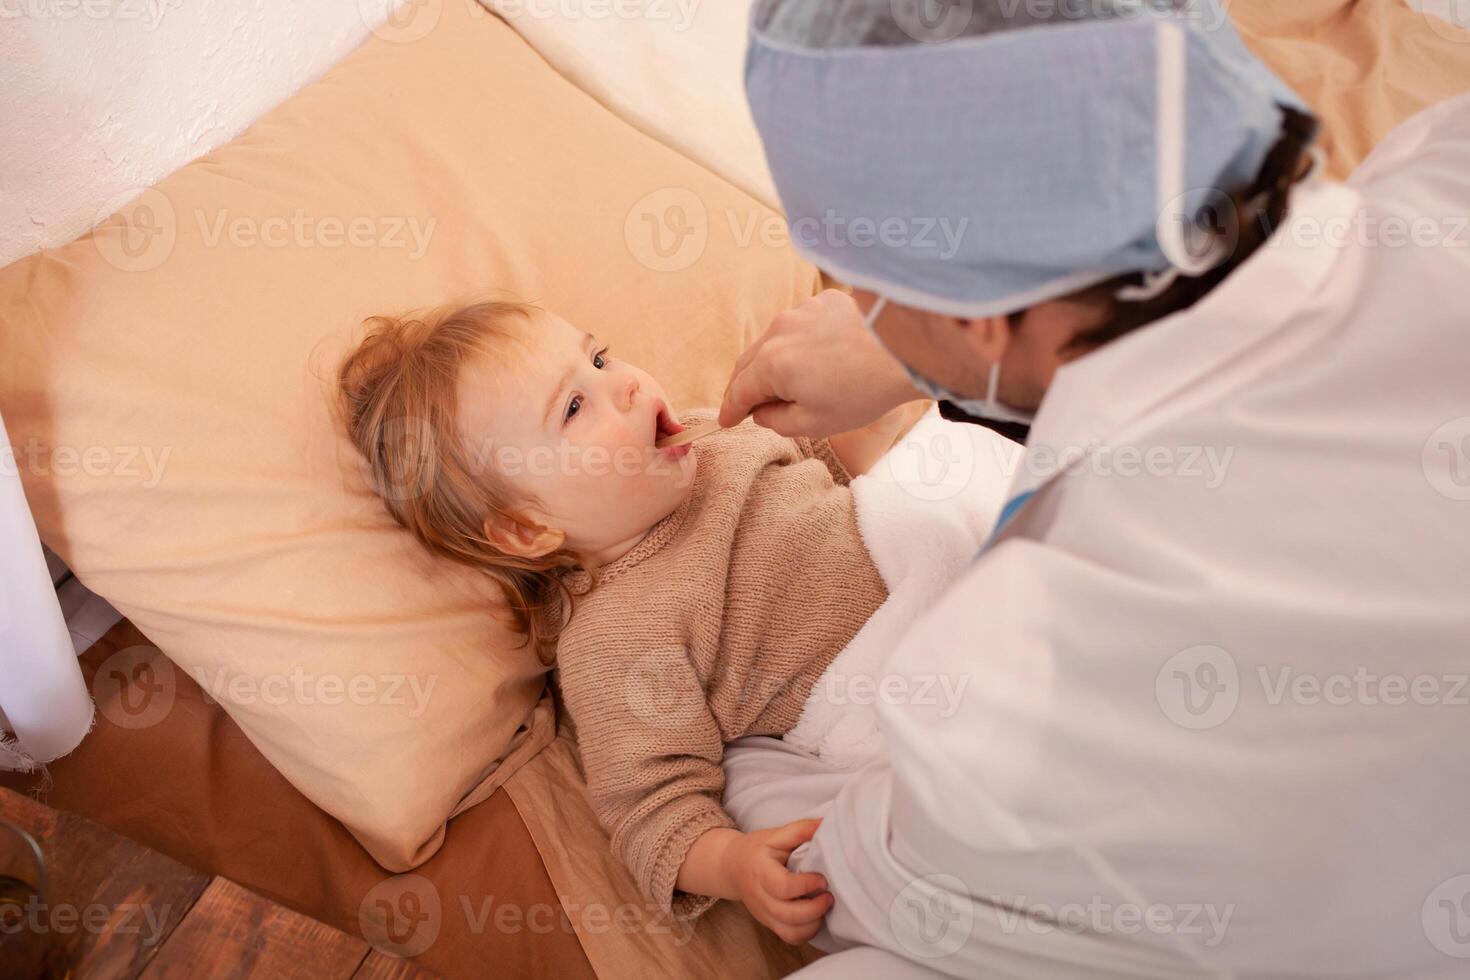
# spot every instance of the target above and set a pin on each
(44, 702)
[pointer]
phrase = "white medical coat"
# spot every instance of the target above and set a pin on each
(1216, 720)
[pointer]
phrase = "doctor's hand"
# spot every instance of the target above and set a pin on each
(816, 371)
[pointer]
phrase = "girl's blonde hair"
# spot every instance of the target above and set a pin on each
(398, 394)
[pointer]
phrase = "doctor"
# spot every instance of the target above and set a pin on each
(1217, 720)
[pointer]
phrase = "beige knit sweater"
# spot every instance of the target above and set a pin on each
(715, 626)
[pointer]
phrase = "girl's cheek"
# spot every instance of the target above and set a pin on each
(626, 442)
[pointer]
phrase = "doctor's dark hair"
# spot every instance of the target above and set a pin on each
(397, 396)
(1251, 216)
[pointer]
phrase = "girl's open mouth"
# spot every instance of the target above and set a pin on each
(664, 425)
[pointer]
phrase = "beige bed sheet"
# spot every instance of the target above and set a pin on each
(620, 934)
(1365, 65)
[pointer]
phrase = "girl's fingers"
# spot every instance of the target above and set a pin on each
(797, 935)
(792, 835)
(787, 885)
(803, 911)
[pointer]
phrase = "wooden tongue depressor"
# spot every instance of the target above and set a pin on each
(689, 435)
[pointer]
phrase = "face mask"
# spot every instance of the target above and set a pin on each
(988, 408)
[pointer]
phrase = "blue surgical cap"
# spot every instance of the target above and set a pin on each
(978, 156)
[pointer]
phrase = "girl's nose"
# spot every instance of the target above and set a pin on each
(630, 391)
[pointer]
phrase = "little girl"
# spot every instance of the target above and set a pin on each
(709, 586)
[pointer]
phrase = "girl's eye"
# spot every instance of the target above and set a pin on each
(599, 360)
(573, 407)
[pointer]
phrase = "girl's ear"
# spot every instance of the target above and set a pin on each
(522, 535)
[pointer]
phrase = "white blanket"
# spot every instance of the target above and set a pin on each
(924, 512)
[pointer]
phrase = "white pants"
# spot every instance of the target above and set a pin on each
(768, 782)
(865, 963)
(896, 916)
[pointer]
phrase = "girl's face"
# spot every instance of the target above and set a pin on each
(571, 429)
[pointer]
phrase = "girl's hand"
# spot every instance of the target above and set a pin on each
(861, 448)
(791, 905)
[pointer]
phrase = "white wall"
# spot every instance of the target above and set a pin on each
(101, 98)
(1455, 12)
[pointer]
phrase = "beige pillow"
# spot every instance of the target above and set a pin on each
(165, 381)
(1363, 67)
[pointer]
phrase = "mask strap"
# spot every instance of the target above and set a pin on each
(872, 316)
(1172, 127)
(992, 386)
(1319, 161)
(1154, 285)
